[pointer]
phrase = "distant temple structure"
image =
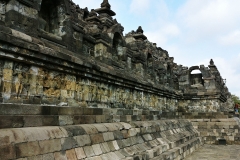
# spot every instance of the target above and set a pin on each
(54, 51)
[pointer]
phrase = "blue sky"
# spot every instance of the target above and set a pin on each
(192, 31)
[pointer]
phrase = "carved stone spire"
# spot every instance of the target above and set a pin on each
(106, 4)
(139, 30)
(105, 9)
(211, 62)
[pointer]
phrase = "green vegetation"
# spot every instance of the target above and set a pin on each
(236, 99)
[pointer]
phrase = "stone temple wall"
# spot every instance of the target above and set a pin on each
(55, 52)
(28, 84)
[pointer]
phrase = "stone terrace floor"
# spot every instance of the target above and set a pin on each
(216, 152)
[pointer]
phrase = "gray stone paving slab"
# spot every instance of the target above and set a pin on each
(216, 152)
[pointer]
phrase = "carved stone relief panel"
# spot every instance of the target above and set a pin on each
(52, 84)
(68, 87)
(7, 79)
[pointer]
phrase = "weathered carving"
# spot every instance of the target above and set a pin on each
(52, 84)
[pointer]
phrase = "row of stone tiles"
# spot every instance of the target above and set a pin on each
(215, 129)
(182, 151)
(19, 121)
(16, 109)
(28, 142)
(141, 151)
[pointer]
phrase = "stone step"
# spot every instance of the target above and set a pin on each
(181, 151)
(14, 109)
(20, 121)
(120, 140)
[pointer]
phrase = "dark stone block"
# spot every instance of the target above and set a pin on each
(74, 130)
(32, 121)
(11, 121)
(84, 119)
(134, 117)
(123, 118)
(128, 112)
(97, 111)
(97, 138)
(145, 112)
(117, 135)
(68, 143)
(50, 121)
(88, 111)
(7, 152)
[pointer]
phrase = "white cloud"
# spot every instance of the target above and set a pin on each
(163, 33)
(231, 39)
(209, 17)
(139, 6)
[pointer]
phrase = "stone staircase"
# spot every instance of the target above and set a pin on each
(71, 133)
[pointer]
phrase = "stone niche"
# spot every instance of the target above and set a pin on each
(52, 17)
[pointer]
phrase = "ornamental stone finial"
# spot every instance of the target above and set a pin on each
(139, 30)
(211, 62)
(105, 3)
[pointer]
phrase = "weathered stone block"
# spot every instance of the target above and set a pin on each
(31, 121)
(80, 153)
(48, 146)
(97, 138)
(108, 136)
(100, 127)
(89, 151)
(11, 121)
(89, 129)
(60, 155)
(7, 152)
(97, 149)
(49, 156)
(74, 130)
(27, 149)
(68, 143)
(65, 120)
(71, 154)
(83, 140)
(104, 147)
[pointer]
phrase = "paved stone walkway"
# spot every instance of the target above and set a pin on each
(216, 152)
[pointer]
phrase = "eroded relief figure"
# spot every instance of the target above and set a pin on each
(79, 90)
(68, 86)
(93, 92)
(20, 80)
(85, 91)
(52, 84)
(40, 82)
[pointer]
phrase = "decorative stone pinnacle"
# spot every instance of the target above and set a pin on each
(106, 4)
(211, 62)
(139, 30)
